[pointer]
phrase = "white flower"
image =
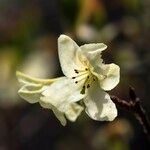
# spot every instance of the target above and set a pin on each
(85, 67)
(86, 78)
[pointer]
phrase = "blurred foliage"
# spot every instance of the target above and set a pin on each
(28, 42)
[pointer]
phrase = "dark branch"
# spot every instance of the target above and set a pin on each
(134, 105)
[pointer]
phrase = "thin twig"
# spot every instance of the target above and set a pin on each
(134, 105)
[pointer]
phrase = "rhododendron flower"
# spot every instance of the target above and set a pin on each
(86, 79)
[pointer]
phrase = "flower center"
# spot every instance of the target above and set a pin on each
(85, 75)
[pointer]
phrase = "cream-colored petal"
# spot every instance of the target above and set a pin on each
(26, 79)
(61, 93)
(98, 104)
(93, 47)
(111, 78)
(59, 115)
(73, 111)
(32, 87)
(68, 52)
(32, 92)
(93, 53)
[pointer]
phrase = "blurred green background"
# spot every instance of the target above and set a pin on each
(28, 42)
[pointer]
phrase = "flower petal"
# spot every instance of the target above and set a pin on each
(68, 55)
(73, 111)
(111, 78)
(26, 79)
(93, 47)
(98, 104)
(59, 115)
(93, 53)
(32, 92)
(62, 92)
(32, 87)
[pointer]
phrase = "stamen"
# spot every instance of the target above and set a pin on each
(88, 86)
(83, 90)
(80, 70)
(85, 75)
(80, 78)
(87, 83)
(76, 71)
(80, 75)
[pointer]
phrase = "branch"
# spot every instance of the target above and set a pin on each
(134, 105)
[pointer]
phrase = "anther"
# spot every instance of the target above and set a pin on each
(76, 71)
(93, 79)
(76, 82)
(86, 69)
(83, 90)
(73, 77)
(88, 86)
(88, 77)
